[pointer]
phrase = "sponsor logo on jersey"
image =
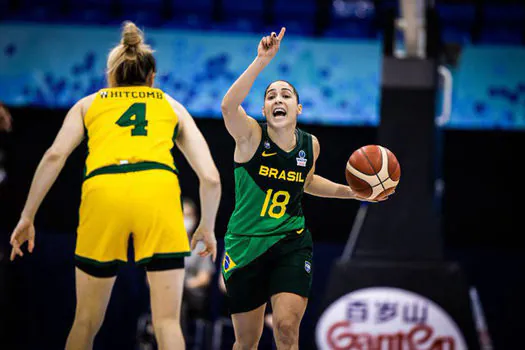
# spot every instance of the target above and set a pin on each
(301, 160)
(290, 176)
(266, 144)
(307, 266)
(264, 154)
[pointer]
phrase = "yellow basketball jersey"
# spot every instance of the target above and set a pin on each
(130, 126)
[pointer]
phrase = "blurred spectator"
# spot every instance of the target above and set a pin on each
(198, 277)
(5, 125)
(5, 118)
(145, 334)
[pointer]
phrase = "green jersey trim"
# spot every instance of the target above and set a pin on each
(127, 168)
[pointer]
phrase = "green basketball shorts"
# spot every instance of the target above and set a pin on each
(285, 267)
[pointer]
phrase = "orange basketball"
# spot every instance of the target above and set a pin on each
(373, 172)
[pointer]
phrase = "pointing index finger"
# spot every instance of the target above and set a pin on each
(281, 34)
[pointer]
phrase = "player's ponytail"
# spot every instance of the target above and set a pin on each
(131, 62)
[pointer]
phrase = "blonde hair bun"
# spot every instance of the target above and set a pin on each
(131, 34)
(131, 61)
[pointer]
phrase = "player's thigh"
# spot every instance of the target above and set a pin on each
(288, 310)
(93, 294)
(292, 268)
(166, 289)
(248, 326)
(247, 287)
(104, 225)
(158, 222)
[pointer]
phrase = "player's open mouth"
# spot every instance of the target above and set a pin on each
(279, 112)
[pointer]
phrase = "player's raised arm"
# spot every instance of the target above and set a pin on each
(238, 123)
(194, 147)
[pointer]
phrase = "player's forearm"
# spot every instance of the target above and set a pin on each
(321, 187)
(45, 175)
(241, 87)
(210, 196)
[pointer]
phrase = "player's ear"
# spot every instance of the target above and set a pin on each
(299, 109)
(264, 115)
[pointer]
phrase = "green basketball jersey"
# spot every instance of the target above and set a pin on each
(268, 193)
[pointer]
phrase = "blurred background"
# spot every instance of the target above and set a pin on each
(54, 53)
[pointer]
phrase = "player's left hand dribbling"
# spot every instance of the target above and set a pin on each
(208, 238)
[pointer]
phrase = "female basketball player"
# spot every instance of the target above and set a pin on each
(268, 248)
(131, 187)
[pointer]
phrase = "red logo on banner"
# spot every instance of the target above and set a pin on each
(387, 319)
(341, 337)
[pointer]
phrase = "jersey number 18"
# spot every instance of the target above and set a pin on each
(275, 206)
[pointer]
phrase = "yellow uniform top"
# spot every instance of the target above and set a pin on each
(130, 128)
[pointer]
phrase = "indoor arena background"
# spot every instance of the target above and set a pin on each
(52, 54)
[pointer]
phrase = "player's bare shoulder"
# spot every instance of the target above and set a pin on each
(86, 102)
(181, 111)
(173, 102)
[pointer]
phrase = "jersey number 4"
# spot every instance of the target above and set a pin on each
(277, 207)
(139, 123)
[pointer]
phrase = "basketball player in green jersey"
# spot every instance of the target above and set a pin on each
(268, 249)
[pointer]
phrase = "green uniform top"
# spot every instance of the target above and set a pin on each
(268, 192)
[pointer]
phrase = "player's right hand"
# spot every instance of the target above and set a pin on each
(208, 238)
(269, 45)
(24, 231)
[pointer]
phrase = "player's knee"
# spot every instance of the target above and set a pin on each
(88, 322)
(246, 344)
(247, 337)
(166, 320)
(287, 331)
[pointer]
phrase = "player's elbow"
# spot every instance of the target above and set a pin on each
(225, 107)
(228, 107)
(54, 154)
(212, 179)
(308, 188)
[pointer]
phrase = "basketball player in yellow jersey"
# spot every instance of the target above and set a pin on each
(130, 188)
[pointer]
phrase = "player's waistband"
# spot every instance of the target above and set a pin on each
(127, 168)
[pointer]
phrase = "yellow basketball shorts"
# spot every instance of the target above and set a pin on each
(145, 205)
